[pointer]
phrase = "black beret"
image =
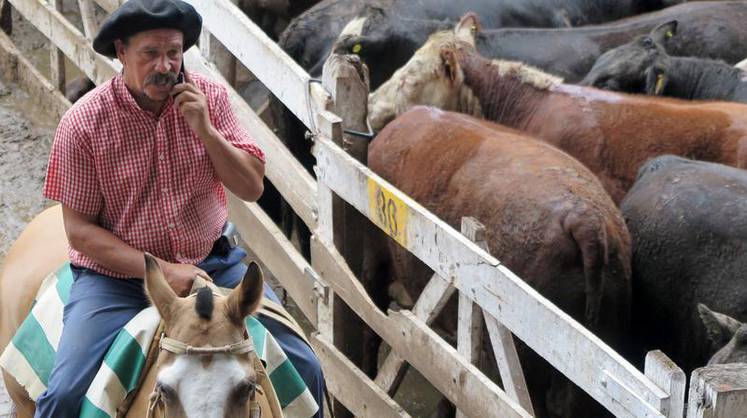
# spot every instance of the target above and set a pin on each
(140, 15)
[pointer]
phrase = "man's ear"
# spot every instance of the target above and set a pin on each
(449, 63)
(119, 49)
(663, 33)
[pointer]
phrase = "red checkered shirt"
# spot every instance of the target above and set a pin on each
(148, 179)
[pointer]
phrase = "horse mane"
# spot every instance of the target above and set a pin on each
(204, 303)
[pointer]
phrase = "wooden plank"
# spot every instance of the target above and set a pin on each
(67, 38)
(431, 302)
(109, 5)
(665, 373)
(57, 58)
(718, 391)
(351, 386)
(437, 361)
(492, 286)
(16, 68)
(469, 315)
(246, 41)
(508, 363)
(278, 254)
(88, 16)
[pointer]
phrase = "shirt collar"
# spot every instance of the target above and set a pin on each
(127, 102)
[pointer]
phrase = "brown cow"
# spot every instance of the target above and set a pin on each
(547, 218)
(612, 134)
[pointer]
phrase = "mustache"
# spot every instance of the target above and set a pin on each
(161, 79)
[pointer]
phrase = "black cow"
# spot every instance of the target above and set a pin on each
(688, 223)
(643, 66)
(273, 16)
(309, 38)
(707, 29)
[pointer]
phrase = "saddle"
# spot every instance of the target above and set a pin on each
(112, 396)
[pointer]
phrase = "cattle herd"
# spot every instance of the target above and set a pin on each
(546, 120)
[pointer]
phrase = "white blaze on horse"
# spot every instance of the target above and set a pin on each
(206, 366)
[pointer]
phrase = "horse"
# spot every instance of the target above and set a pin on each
(219, 358)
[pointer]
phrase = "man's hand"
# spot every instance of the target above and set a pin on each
(181, 276)
(192, 102)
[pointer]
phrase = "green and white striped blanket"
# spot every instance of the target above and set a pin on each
(30, 355)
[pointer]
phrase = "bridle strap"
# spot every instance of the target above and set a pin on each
(155, 402)
(179, 348)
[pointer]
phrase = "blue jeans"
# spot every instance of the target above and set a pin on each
(100, 306)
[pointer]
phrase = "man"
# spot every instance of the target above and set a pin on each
(139, 165)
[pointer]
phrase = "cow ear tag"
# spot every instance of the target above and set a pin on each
(473, 29)
(659, 84)
(357, 48)
(669, 34)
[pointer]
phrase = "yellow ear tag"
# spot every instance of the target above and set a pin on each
(659, 84)
(473, 29)
(357, 48)
(669, 34)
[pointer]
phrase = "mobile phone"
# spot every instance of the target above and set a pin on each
(180, 77)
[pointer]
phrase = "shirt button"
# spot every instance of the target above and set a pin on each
(172, 226)
(178, 255)
(161, 157)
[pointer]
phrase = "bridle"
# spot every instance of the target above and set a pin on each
(246, 346)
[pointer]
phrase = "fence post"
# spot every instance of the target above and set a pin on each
(665, 373)
(718, 391)
(346, 79)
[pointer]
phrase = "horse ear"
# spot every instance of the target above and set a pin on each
(159, 292)
(247, 296)
(656, 80)
(720, 327)
(450, 63)
(664, 32)
(467, 28)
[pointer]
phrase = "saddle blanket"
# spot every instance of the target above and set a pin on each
(29, 357)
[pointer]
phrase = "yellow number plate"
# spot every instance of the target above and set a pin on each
(388, 212)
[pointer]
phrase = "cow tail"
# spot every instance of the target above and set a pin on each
(590, 235)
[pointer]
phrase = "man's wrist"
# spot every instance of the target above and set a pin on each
(209, 133)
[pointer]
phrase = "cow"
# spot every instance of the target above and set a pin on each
(707, 29)
(273, 16)
(613, 134)
(688, 223)
(547, 218)
(643, 66)
(727, 333)
(310, 37)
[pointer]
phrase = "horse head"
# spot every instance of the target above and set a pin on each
(205, 367)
